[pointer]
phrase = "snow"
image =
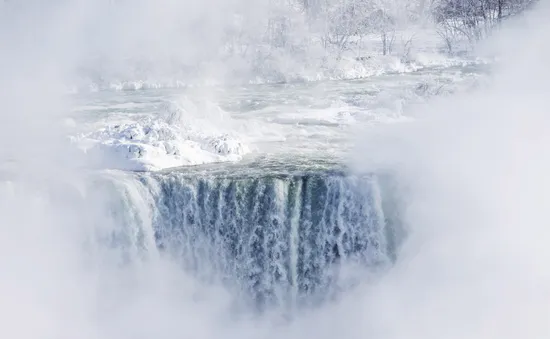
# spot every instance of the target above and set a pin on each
(413, 49)
(349, 66)
(169, 139)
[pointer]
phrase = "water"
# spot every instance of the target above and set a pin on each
(152, 129)
(279, 233)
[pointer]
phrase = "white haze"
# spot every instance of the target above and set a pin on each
(473, 169)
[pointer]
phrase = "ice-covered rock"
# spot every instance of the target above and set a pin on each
(169, 139)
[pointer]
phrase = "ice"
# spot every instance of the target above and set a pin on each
(153, 143)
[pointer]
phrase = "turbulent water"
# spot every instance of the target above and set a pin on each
(157, 128)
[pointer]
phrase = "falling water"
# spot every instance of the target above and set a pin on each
(278, 240)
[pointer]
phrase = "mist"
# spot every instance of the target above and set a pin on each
(473, 174)
(471, 170)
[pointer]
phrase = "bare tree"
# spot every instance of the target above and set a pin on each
(473, 20)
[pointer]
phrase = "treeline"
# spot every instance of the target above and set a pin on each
(340, 25)
(473, 20)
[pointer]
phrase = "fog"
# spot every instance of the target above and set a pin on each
(473, 170)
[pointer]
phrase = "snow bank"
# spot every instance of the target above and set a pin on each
(278, 68)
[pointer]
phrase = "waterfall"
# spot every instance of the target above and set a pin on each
(276, 238)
